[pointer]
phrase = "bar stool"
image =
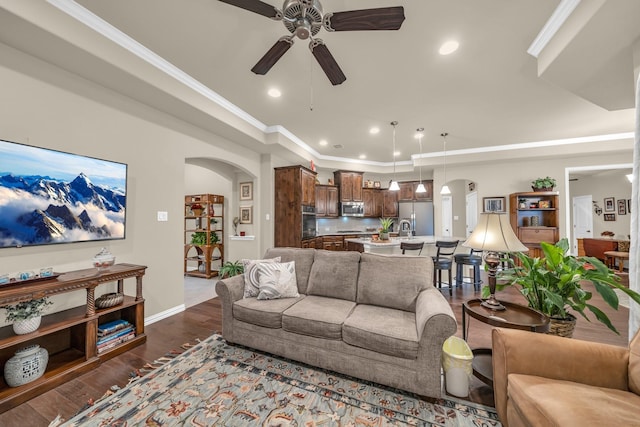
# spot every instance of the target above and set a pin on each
(443, 260)
(411, 246)
(468, 259)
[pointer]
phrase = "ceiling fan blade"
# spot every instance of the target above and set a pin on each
(273, 55)
(385, 18)
(327, 62)
(256, 6)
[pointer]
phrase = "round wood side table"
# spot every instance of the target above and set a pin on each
(515, 316)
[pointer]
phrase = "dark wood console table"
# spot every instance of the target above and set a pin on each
(70, 336)
(514, 317)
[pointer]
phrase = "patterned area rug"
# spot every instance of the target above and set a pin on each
(215, 384)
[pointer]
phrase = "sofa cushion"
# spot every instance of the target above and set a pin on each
(251, 278)
(393, 281)
(634, 364)
(543, 402)
(303, 257)
(267, 313)
(334, 274)
(383, 330)
(317, 317)
(277, 280)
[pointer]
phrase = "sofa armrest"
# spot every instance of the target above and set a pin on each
(229, 291)
(435, 321)
(554, 357)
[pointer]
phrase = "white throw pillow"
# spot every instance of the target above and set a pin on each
(251, 282)
(277, 280)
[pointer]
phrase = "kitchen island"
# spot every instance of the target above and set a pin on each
(392, 246)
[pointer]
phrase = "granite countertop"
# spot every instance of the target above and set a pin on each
(395, 241)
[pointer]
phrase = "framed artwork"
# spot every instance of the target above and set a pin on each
(609, 205)
(622, 207)
(494, 204)
(610, 217)
(246, 191)
(246, 214)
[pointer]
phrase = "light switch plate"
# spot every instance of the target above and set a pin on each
(163, 216)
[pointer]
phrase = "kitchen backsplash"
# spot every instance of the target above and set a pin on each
(341, 224)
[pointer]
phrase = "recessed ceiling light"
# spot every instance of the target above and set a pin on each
(418, 135)
(363, 156)
(274, 93)
(396, 153)
(448, 47)
(374, 130)
(323, 142)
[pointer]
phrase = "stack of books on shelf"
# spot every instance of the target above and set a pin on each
(111, 334)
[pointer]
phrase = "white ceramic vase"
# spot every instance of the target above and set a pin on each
(27, 326)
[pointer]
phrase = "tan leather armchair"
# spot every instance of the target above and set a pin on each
(545, 380)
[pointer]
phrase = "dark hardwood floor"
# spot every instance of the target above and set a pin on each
(202, 320)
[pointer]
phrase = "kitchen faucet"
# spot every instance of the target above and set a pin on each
(401, 227)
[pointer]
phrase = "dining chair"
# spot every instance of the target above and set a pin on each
(443, 260)
(411, 246)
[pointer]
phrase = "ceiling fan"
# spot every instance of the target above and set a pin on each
(305, 18)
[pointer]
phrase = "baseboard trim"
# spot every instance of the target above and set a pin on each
(164, 314)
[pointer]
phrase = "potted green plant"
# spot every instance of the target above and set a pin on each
(553, 285)
(200, 238)
(543, 184)
(26, 315)
(386, 225)
(230, 269)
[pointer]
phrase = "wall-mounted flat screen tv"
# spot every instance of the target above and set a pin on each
(49, 197)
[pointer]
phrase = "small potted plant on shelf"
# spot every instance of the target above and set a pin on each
(543, 184)
(197, 209)
(386, 224)
(26, 315)
(230, 269)
(200, 238)
(553, 285)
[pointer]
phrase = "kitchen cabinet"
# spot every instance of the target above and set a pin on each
(350, 184)
(294, 186)
(389, 204)
(373, 201)
(535, 218)
(333, 243)
(408, 191)
(327, 201)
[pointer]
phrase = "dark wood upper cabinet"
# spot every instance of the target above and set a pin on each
(326, 201)
(389, 203)
(350, 184)
(408, 191)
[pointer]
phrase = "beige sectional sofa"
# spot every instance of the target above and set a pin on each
(374, 317)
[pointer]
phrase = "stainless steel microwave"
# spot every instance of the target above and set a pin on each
(352, 209)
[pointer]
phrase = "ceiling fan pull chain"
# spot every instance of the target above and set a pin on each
(310, 84)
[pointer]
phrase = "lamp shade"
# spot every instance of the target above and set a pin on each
(394, 186)
(421, 188)
(494, 233)
(445, 189)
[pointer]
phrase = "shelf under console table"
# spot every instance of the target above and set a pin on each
(70, 336)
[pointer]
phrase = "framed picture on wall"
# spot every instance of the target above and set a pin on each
(610, 217)
(494, 204)
(246, 191)
(609, 205)
(622, 207)
(246, 214)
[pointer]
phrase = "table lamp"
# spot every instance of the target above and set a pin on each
(494, 235)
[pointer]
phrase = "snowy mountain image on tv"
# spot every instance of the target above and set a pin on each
(48, 197)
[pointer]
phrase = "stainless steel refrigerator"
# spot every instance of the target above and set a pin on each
(419, 214)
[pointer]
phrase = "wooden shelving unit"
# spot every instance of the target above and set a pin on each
(203, 259)
(524, 207)
(70, 336)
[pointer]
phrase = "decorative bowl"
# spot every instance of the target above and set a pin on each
(109, 300)
(103, 259)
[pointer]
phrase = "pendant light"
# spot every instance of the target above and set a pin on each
(445, 188)
(393, 185)
(420, 188)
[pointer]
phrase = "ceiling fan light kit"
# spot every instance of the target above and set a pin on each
(305, 18)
